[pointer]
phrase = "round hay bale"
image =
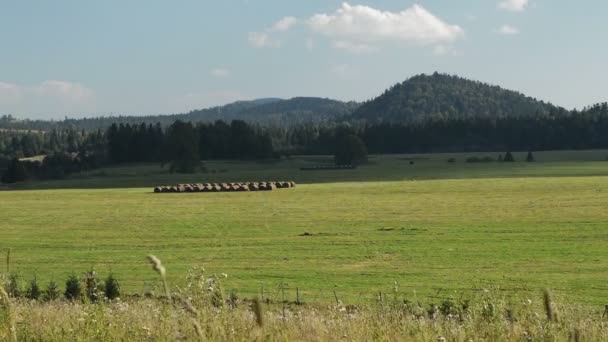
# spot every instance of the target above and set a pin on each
(254, 187)
(158, 190)
(165, 189)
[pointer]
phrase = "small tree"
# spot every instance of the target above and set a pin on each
(350, 151)
(509, 158)
(530, 157)
(73, 289)
(91, 286)
(111, 288)
(52, 291)
(33, 291)
(13, 286)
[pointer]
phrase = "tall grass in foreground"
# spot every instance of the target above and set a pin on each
(200, 311)
(153, 319)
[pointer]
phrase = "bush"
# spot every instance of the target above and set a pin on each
(33, 291)
(91, 286)
(111, 288)
(73, 289)
(52, 291)
(452, 160)
(509, 157)
(13, 286)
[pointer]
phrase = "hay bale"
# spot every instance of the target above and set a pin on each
(158, 190)
(254, 187)
(267, 187)
(292, 184)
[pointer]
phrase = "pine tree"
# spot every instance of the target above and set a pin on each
(509, 157)
(530, 157)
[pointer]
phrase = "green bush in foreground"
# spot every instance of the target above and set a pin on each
(73, 289)
(111, 288)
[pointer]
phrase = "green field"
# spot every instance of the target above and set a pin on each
(432, 227)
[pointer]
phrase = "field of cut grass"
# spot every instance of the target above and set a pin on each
(435, 229)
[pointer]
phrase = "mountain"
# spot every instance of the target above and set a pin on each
(284, 112)
(262, 111)
(441, 96)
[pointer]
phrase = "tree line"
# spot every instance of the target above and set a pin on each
(184, 145)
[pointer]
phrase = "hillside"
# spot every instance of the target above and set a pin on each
(284, 112)
(441, 96)
(263, 111)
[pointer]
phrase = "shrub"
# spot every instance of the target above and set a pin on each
(91, 286)
(13, 286)
(73, 289)
(33, 291)
(111, 287)
(52, 291)
(452, 160)
(509, 157)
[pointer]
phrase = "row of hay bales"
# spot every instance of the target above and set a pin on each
(225, 187)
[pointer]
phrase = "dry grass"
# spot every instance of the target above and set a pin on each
(161, 320)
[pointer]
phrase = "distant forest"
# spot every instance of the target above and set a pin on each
(436, 113)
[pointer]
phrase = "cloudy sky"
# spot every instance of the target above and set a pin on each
(84, 58)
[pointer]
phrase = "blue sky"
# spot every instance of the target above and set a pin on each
(84, 58)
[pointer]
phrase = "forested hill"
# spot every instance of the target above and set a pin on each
(262, 111)
(446, 97)
(282, 112)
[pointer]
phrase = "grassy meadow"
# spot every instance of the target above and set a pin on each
(437, 229)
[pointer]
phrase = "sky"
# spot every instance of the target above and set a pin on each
(141, 57)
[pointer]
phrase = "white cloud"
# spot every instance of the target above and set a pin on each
(219, 72)
(262, 39)
(513, 5)
(508, 30)
(367, 25)
(284, 24)
(46, 99)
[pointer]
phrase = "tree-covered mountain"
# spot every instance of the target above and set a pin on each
(283, 112)
(445, 97)
(268, 111)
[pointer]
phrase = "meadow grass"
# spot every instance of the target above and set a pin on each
(438, 230)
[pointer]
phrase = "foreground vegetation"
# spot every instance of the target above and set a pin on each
(201, 310)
